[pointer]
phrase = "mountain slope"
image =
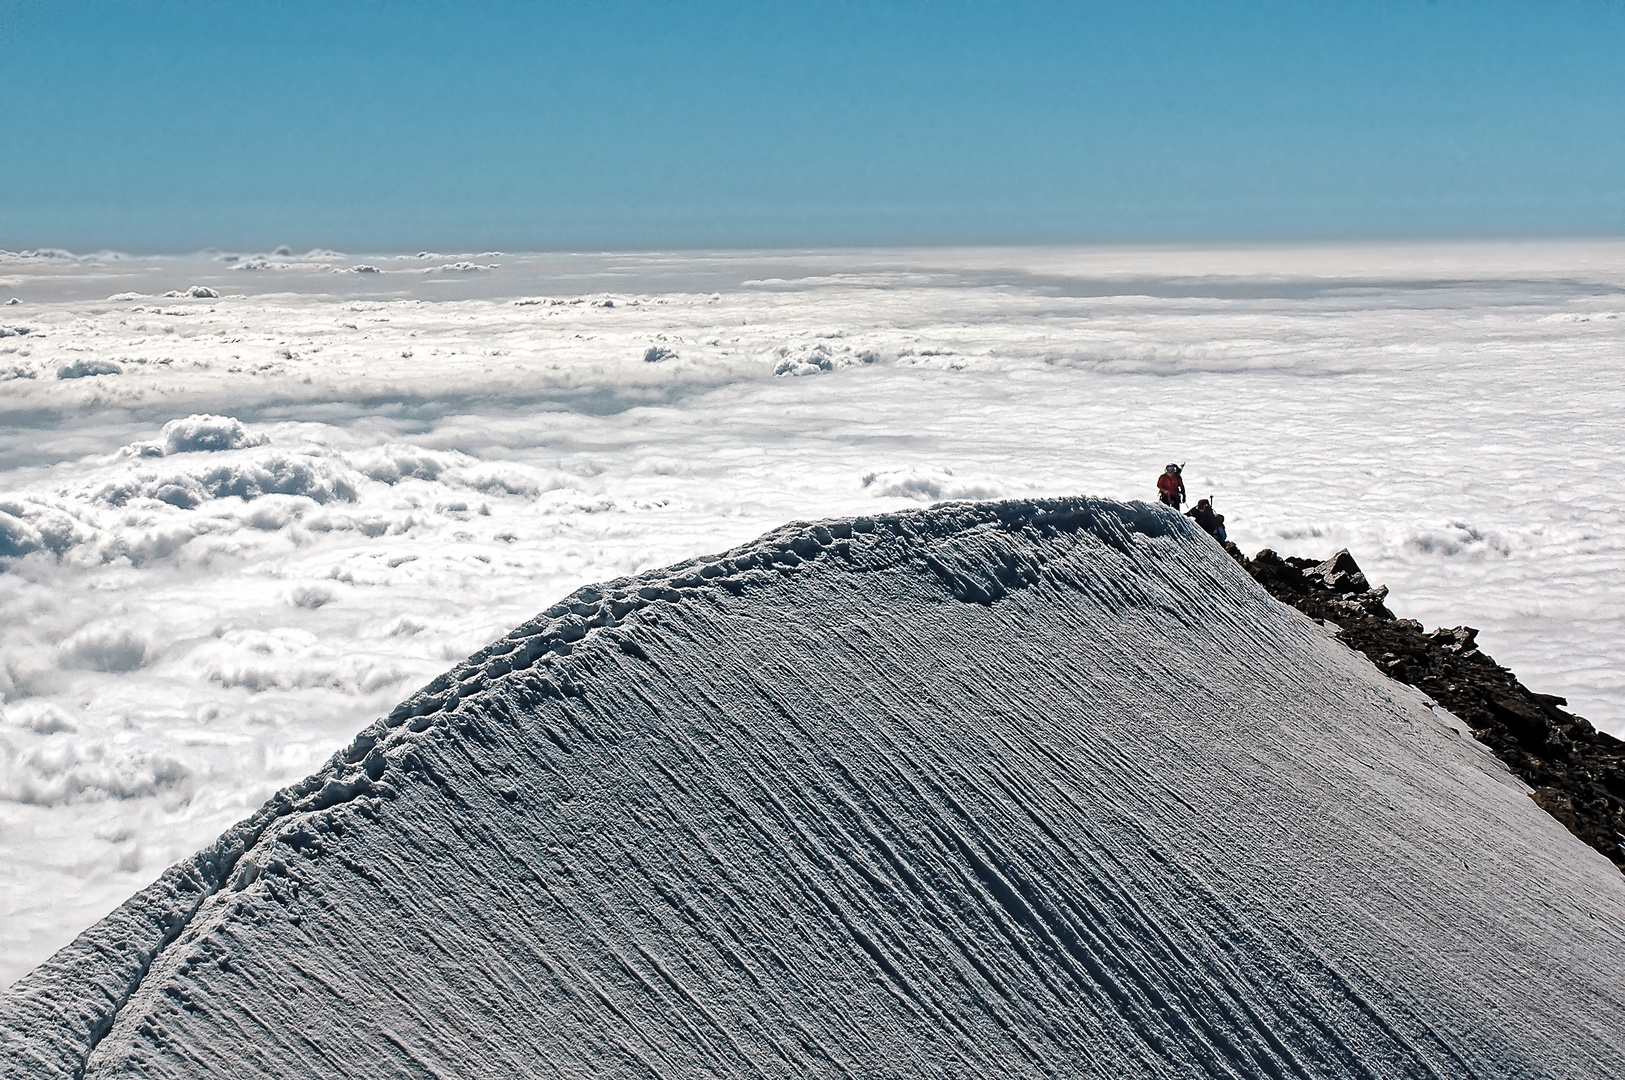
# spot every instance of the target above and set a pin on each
(1016, 789)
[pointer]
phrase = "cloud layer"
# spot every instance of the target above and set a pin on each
(287, 510)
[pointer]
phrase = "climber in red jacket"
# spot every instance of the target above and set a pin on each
(1171, 487)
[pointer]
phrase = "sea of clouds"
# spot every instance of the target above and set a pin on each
(248, 502)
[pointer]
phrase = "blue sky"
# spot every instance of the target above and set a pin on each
(395, 126)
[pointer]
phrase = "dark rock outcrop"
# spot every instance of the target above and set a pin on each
(1578, 772)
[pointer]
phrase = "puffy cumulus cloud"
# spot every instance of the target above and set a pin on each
(107, 646)
(1459, 540)
(38, 716)
(659, 465)
(509, 479)
(147, 543)
(203, 432)
(397, 462)
(371, 525)
(62, 768)
(461, 509)
(273, 513)
(30, 522)
(88, 368)
(316, 258)
(312, 595)
(811, 358)
(394, 462)
(28, 661)
(17, 536)
(248, 476)
(41, 255)
(141, 513)
(463, 267)
(925, 483)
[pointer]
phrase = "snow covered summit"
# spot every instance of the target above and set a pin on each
(1010, 789)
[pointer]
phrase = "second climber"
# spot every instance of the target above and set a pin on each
(1209, 519)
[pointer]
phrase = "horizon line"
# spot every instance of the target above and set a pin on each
(319, 252)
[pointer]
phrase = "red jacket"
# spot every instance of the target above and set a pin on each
(1171, 485)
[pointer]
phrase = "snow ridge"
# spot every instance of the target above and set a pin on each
(1020, 789)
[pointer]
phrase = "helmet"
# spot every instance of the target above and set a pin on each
(1173, 469)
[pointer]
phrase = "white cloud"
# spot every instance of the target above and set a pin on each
(247, 476)
(395, 462)
(812, 358)
(107, 646)
(201, 431)
(33, 522)
(515, 479)
(926, 484)
(463, 267)
(17, 536)
(40, 717)
(63, 768)
(88, 368)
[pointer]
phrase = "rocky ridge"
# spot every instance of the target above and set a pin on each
(1578, 772)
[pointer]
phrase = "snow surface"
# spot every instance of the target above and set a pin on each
(1019, 789)
(234, 529)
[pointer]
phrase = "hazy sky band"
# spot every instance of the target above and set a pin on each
(170, 126)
